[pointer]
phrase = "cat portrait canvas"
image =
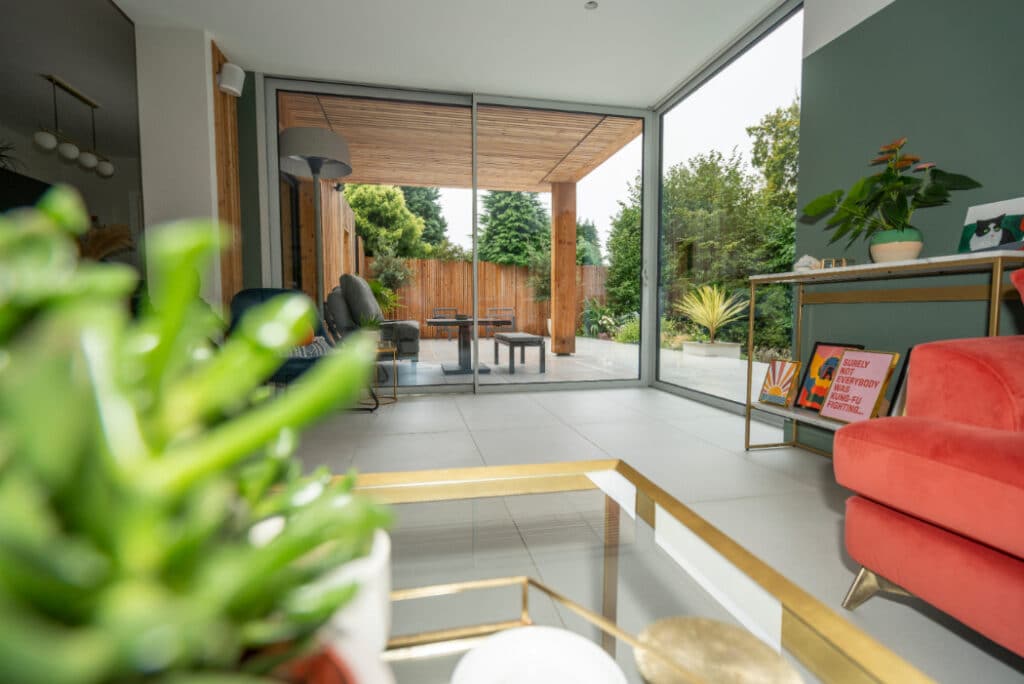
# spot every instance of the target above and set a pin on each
(999, 225)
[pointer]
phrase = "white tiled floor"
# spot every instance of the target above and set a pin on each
(783, 505)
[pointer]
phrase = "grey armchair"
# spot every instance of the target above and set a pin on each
(352, 305)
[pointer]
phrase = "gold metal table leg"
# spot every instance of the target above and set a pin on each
(610, 592)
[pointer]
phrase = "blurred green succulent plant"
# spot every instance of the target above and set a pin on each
(137, 458)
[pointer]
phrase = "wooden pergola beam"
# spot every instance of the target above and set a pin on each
(563, 268)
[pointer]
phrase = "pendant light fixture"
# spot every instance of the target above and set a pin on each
(49, 140)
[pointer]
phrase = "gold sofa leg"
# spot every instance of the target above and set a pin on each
(866, 585)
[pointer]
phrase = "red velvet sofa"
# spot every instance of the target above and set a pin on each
(939, 505)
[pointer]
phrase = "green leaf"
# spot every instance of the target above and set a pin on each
(824, 204)
(953, 181)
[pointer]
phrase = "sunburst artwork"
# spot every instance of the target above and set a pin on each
(780, 385)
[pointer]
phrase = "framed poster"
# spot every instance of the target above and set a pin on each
(859, 385)
(898, 407)
(819, 372)
(779, 386)
(999, 225)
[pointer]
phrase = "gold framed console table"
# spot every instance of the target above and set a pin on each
(996, 263)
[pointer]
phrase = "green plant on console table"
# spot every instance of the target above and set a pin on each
(887, 200)
(153, 524)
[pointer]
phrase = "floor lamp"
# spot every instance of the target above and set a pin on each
(315, 153)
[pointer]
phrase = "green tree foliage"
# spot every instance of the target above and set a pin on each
(513, 225)
(776, 141)
(384, 221)
(624, 258)
(426, 203)
(588, 244)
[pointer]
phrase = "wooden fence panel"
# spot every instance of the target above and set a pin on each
(438, 283)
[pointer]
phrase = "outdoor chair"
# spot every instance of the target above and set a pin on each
(500, 312)
(351, 306)
(446, 312)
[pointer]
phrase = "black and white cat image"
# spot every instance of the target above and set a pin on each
(989, 233)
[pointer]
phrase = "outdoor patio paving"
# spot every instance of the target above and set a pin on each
(594, 360)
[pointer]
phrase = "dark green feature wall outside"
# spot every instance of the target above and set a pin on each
(947, 74)
(248, 181)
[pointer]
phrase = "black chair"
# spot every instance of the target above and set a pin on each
(292, 367)
(446, 312)
(500, 312)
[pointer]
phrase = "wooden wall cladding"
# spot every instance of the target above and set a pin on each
(229, 208)
(450, 283)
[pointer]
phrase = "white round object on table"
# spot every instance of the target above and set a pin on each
(539, 655)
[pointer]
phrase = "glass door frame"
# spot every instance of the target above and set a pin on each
(268, 87)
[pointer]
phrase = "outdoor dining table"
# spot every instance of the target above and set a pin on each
(465, 326)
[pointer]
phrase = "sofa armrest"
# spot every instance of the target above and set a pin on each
(972, 381)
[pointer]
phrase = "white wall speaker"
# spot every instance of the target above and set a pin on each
(231, 79)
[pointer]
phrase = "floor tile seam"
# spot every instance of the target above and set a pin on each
(529, 552)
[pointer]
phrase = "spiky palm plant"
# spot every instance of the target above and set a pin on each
(709, 307)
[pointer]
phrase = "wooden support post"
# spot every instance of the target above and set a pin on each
(229, 208)
(563, 268)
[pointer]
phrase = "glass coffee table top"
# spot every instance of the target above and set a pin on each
(596, 548)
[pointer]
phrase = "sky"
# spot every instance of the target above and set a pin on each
(714, 117)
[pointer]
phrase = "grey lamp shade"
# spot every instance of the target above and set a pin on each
(300, 146)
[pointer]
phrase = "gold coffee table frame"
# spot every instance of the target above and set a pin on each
(824, 643)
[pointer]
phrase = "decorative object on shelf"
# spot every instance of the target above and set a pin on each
(999, 225)
(539, 655)
(879, 207)
(53, 139)
(858, 388)
(820, 372)
(836, 262)
(779, 386)
(807, 263)
(712, 651)
(163, 532)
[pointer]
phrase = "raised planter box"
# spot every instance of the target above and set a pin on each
(725, 350)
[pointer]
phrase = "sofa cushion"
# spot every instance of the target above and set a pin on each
(336, 314)
(400, 330)
(975, 381)
(359, 297)
(967, 479)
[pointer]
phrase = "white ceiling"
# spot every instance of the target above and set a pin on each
(626, 52)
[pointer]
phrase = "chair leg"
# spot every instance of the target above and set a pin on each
(865, 585)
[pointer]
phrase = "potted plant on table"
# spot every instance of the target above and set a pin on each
(709, 307)
(879, 207)
(153, 525)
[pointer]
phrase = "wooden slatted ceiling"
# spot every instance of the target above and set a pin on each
(405, 143)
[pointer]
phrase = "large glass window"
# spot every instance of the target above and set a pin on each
(729, 172)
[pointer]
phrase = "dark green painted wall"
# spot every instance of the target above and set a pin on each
(248, 178)
(947, 74)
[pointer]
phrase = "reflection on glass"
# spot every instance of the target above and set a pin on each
(728, 211)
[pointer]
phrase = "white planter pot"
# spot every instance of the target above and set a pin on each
(549, 327)
(895, 251)
(366, 619)
(725, 350)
